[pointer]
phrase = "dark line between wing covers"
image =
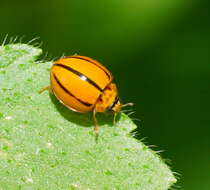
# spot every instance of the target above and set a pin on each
(69, 93)
(107, 74)
(80, 75)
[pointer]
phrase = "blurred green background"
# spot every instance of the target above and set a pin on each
(158, 52)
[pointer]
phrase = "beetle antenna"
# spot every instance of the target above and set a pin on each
(128, 104)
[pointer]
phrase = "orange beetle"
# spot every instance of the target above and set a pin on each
(82, 84)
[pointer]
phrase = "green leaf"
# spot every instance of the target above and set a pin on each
(43, 145)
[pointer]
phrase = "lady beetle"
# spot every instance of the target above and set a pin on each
(82, 84)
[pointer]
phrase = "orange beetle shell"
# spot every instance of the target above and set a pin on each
(78, 82)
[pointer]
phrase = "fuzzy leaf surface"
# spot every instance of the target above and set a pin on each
(43, 145)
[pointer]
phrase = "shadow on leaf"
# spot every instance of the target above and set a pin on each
(83, 119)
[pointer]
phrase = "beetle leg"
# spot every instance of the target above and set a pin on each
(114, 118)
(96, 128)
(45, 88)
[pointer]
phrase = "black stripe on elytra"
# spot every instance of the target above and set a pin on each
(83, 77)
(69, 93)
(114, 103)
(85, 59)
